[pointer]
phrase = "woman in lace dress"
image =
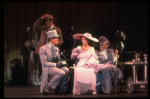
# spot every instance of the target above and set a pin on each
(87, 66)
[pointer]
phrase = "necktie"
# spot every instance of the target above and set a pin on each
(54, 52)
(56, 58)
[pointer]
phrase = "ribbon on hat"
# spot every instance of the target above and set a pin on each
(87, 35)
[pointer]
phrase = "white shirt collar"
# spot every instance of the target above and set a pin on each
(103, 50)
(52, 26)
(51, 45)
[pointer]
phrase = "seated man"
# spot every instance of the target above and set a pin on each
(52, 64)
(106, 55)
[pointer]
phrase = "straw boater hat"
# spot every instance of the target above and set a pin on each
(52, 33)
(87, 35)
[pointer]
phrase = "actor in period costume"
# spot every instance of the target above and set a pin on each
(51, 64)
(87, 66)
(106, 55)
(48, 26)
(38, 41)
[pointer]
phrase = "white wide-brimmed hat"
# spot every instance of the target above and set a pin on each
(87, 35)
(52, 33)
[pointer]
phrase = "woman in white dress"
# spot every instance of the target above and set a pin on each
(87, 66)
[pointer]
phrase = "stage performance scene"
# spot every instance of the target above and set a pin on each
(75, 50)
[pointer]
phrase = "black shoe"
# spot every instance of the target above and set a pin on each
(46, 90)
(60, 91)
(45, 93)
(51, 89)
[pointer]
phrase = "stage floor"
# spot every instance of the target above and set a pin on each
(29, 91)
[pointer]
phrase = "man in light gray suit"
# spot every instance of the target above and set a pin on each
(37, 39)
(51, 64)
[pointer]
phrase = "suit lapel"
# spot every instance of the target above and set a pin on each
(56, 53)
(49, 51)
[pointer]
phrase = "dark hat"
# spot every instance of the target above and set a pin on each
(103, 39)
(49, 18)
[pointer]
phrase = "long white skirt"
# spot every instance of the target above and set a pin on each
(84, 81)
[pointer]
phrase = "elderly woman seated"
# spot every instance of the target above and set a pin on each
(109, 76)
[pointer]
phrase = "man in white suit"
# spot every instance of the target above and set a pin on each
(51, 64)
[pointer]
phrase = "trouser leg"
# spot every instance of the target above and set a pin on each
(106, 81)
(44, 80)
(66, 77)
(57, 74)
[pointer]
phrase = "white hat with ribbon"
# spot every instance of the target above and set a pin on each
(87, 35)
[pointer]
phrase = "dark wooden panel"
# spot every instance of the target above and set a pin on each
(83, 17)
(30, 14)
(105, 15)
(113, 14)
(90, 17)
(57, 13)
(135, 24)
(98, 18)
(143, 25)
(129, 26)
(74, 16)
(106, 20)
(40, 9)
(48, 7)
(6, 41)
(65, 17)
(21, 24)
(12, 27)
(122, 15)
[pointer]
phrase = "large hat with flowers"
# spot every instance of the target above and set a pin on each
(87, 35)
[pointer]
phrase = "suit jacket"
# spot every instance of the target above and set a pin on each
(48, 56)
(43, 36)
(110, 57)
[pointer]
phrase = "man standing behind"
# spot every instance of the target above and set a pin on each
(51, 64)
(48, 26)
